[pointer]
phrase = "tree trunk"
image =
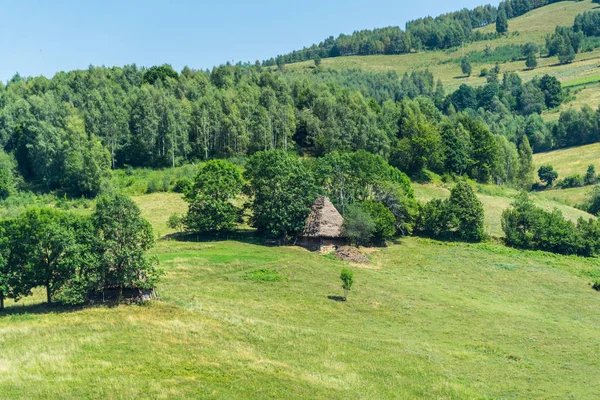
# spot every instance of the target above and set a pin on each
(345, 294)
(1, 301)
(48, 294)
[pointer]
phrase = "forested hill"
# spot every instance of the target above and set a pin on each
(66, 133)
(443, 32)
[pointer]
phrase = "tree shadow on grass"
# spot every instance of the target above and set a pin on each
(243, 236)
(36, 309)
(337, 298)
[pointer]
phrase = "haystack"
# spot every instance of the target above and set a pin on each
(323, 226)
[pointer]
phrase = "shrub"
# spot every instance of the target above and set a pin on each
(385, 222)
(461, 215)
(153, 186)
(593, 204)
(176, 221)
(358, 227)
(590, 176)
(182, 185)
(530, 227)
(571, 181)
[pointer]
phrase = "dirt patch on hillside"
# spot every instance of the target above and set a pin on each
(351, 254)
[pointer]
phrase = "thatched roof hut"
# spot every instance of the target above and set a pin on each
(324, 221)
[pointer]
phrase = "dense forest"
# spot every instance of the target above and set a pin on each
(443, 32)
(67, 132)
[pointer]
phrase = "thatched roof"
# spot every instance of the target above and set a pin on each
(324, 220)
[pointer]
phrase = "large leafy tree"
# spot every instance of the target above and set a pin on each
(210, 198)
(282, 191)
(124, 238)
(44, 249)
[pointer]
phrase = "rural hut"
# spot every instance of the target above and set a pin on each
(323, 230)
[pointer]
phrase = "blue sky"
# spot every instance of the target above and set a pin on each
(41, 37)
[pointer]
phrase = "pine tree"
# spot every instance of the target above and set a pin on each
(502, 23)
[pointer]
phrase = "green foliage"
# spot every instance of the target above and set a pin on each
(124, 238)
(547, 174)
(359, 226)
(527, 226)
(210, 198)
(176, 221)
(161, 73)
(501, 22)
(571, 181)
(384, 220)
(47, 248)
(467, 210)
(7, 175)
(263, 275)
(459, 216)
(593, 204)
(347, 278)
(465, 66)
(590, 176)
(525, 172)
(282, 189)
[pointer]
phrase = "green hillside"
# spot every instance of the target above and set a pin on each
(425, 320)
(531, 27)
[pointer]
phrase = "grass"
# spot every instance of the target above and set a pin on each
(574, 160)
(424, 320)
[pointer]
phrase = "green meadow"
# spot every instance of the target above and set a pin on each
(425, 319)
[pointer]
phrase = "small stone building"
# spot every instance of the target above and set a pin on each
(323, 230)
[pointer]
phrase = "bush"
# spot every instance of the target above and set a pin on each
(153, 186)
(530, 227)
(461, 215)
(590, 176)
(593, 204)
(358, 227)
(182, 185)
(385, 222)
(176, 221)
(571, 181)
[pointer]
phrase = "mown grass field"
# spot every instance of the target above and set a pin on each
(426, 320)
(533, 26)
(574, 160)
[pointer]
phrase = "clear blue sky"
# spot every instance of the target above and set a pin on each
(41, 37)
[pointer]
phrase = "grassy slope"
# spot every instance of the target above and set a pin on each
(498, 323)
(571, 161)
(533, 26)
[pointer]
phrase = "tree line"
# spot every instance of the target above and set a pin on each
(375, 198)
(65, 133)
(442, 32)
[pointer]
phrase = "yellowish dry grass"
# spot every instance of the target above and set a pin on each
(570, 161)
